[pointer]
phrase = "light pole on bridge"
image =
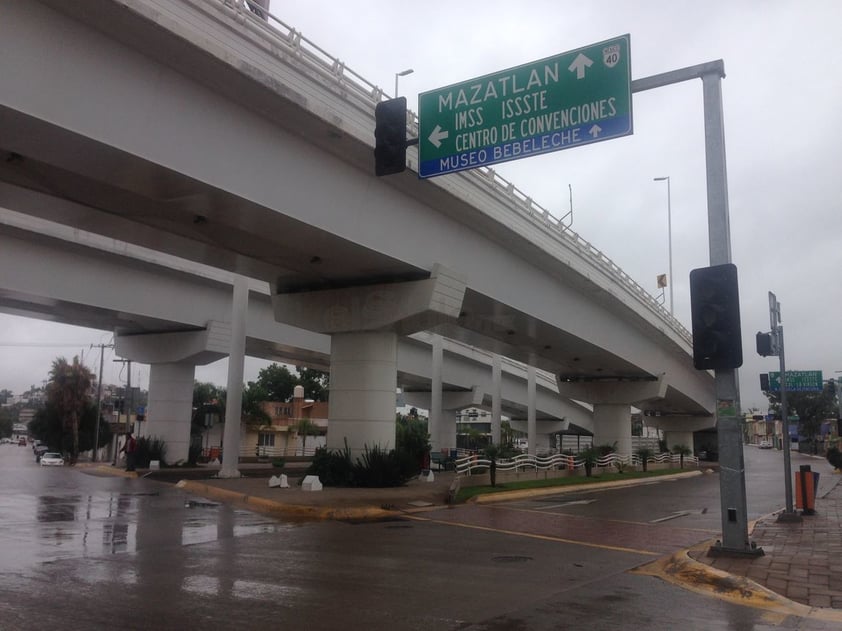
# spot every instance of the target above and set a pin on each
(669, 234)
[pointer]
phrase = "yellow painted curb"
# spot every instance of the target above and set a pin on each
(293, 511)
(120, 473)
(507, 496)
(682, 570)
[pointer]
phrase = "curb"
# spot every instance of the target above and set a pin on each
(292, 511)
(109, 470)
(682, 570)
(507, 496)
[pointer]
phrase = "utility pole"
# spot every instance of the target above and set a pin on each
(128, 362)
(102, 348)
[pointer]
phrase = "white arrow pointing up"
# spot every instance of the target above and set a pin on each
(594, 131)
(579, 64)
(438, 135)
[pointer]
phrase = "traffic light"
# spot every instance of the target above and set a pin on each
(715, 312)
(765, 347)
(764, 382)
(390, 137)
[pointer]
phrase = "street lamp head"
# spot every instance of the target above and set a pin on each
(662, 179)
(402, 73)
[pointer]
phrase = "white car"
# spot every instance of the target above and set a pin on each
(52, 458)
(765, 444)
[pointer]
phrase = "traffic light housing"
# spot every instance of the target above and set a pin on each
(715, 311)
(390, 137)
(765, 347)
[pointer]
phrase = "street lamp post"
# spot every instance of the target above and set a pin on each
(669, 234)
(402, 73)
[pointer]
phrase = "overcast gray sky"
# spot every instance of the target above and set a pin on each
(782, 98)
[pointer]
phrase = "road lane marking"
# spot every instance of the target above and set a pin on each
(540, 537)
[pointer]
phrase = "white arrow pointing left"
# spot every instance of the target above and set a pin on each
(579, 64)
(438, 135)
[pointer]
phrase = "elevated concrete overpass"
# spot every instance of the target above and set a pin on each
(195, 129)
(137, 293)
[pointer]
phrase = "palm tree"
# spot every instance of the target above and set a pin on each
(644, 453)
(304, 427)
(681, 450)
(69, 390)
(492, 452)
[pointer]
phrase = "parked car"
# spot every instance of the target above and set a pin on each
(52, 459)
(765, 444)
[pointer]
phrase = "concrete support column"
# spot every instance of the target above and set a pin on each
(171, 407)
(363, 380)
(447, 431)
(531, 418)
(435, 394)
(674, 438)
(496, 397)
(612, 424)
(234, 395)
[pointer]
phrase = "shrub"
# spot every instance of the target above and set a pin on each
(376, 468)
(334, 468)
(278, 463)
(150, 448)
(379, 468)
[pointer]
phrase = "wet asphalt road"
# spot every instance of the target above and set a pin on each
(79, 551)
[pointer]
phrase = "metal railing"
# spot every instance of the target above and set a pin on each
(286, 40)
(475, 464)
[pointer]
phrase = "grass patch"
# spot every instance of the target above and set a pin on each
(608, 476)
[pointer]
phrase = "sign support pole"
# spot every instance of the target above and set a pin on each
(789, 513)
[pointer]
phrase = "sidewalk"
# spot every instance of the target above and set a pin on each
(802, 561)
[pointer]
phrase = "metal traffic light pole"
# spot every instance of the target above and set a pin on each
(732, 487)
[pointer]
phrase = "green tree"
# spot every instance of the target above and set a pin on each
(208, 403)
(492, 452)
(412, 441)
(7, 421)
(304, 427)
(49, 427)
(315, 383)
(811, 408)
(5, 395)
(68, 391)
(681, 450)
(644, 453)
(276, 382)
(253, 396)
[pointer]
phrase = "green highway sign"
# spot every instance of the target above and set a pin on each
(575, 98)
(797, 381)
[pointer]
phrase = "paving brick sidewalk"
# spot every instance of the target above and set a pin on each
(802, 561)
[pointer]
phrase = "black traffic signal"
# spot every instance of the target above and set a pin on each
(390, 136)
(764, 345)
(715, 310)
(764, 382)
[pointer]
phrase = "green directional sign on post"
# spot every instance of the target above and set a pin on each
(575, 98)
(797, 381)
